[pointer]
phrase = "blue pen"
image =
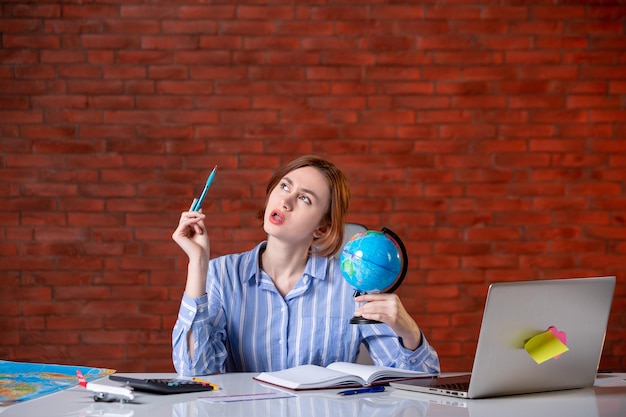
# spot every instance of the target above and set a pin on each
(376, 388)
(198, 203)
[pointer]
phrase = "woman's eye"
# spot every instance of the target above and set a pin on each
(284, 186)
(306, 199)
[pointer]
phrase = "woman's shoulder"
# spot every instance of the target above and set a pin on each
(242, 261)
(322, 266)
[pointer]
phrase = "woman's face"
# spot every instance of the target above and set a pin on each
(296, 206)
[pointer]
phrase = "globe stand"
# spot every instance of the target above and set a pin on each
(361, 320)
(397, 282)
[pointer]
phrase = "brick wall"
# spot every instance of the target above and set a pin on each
(489, 135)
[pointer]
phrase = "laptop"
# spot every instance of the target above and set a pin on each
(518, 311)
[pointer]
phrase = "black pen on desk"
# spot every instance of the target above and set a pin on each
(198, 203)
(376, 388)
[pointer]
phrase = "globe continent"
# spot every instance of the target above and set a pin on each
(370, 262)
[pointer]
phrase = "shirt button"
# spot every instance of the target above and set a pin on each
(190, 313)
(280, 342)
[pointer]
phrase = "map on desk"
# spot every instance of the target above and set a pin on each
(21, 381)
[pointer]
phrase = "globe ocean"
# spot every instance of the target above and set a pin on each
(371, 262)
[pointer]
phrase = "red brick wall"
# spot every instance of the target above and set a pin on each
(490, 135)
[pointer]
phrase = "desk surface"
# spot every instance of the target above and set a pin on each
(607, 398)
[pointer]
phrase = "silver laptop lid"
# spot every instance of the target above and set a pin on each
(517, 311)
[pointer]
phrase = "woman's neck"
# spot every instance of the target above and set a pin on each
(284, 263)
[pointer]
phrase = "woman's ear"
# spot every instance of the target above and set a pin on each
(320, 232)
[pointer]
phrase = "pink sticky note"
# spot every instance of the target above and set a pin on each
(562, 336)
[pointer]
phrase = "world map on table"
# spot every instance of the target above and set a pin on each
(22, 381)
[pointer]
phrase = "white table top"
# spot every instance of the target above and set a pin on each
(607, 398)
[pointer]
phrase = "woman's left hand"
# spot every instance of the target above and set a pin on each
(388, 308)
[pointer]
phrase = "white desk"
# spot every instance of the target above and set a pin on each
(606, 399)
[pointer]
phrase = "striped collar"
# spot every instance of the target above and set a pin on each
(316, 266)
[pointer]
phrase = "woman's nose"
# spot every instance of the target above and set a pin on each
(285, 204)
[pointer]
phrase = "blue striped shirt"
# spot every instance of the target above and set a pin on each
(243, 324)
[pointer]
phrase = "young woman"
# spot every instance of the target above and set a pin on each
(285, 302)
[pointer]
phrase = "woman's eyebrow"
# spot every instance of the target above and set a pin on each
(304, 190)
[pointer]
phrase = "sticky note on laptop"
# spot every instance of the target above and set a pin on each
(547, 345)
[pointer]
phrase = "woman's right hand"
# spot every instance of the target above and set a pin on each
(191, 235)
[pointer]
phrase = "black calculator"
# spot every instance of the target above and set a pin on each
(163, 385)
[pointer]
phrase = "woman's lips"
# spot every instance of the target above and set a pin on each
(277, 217)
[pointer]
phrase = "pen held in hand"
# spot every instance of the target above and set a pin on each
(198, 204)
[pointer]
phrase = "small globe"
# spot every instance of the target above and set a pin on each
(373, 262)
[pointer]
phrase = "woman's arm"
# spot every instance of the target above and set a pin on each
(191, 235)
(388, 308)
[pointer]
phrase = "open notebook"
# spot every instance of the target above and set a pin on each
(516, 351)
(336, 375)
